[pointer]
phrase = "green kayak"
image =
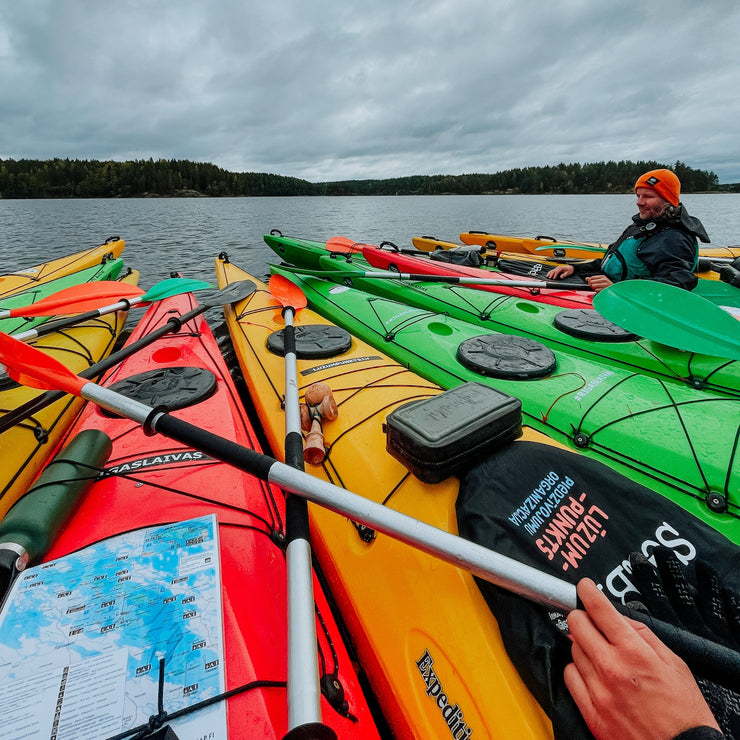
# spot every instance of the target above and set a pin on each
(679, 441)
(578, 331)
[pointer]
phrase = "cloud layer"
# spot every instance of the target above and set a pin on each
(347, 90)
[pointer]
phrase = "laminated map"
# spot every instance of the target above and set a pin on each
(84, 638)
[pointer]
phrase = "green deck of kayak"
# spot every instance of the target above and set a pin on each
(681, 442)
(513, 315)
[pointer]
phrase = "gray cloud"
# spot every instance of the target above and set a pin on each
(338, 90)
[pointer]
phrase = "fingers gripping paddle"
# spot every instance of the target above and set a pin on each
(671, 316)
(39, 370)
(304, 690)
(164, 289)
(76, 299)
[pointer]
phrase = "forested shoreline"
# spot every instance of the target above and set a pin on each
(75, 178)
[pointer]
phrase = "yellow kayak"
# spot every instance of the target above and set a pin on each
(431, 244)
(13, 282)
(544, 245)
(25, 446)
(545, 250)
(422, 631)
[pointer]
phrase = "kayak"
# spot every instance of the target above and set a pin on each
(542, 245)
(432, 244)
(307, 254)
(152, 481)
(621, 418)
(109, 269)
(12, 282)
(27, 444)
(582, 332)
(547, 245)
(420, 629)
(537, 263)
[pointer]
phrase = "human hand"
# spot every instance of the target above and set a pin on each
(561, 271)
(598, 282)
(625, 681)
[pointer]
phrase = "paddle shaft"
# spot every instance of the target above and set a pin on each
(50, 326)
(703, 656)
(34, 405)
(455, 279)
(36, 369)
(304, 689)
(236, 291)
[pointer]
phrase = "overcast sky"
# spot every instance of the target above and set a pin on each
(346, 89)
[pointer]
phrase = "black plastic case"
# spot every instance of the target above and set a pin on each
(441, 436)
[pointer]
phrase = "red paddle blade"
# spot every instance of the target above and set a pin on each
(343, 245)
(79, 298)
(287, 293)
(30, 366)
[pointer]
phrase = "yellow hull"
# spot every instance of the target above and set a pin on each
(402, 608)
(524, 245)
(523, 249)
(13, 282)
(25, 447)
(427, 244)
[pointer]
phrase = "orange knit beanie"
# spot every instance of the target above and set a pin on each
(664, 182)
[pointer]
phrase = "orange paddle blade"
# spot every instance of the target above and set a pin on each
(344, 245)
(287, 293)
(79, 298)
(31, 367)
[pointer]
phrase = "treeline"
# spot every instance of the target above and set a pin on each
(75, 178)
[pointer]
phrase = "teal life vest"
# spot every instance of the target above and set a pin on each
(624, 263)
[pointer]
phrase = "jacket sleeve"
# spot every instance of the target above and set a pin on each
(700, 733)
(670, 256)
(589, 267)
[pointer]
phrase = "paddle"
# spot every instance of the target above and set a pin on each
(34, 368)
(455, 279)
(207, 299)
(344, 245)
(671, 316)
(163, 289)
(76, 299)
(304, 690)
(719, 293)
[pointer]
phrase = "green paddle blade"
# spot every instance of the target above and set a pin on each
(173, 286)
(719, 293)
(671, 316)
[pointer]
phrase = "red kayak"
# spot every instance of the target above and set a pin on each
(388, 260)
(151, 480)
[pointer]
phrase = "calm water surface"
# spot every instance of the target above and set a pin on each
(164, 234)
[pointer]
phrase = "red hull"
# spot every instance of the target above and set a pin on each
(385, 260)
(156, 482)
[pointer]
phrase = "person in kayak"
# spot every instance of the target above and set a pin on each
(626, 682)
(661, 243)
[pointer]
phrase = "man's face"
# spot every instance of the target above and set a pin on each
(649, 203)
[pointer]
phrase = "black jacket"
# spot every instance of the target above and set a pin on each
(668, 249)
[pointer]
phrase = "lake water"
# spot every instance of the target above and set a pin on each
(186, 234)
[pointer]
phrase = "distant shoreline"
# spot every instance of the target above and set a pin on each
(65, 178)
